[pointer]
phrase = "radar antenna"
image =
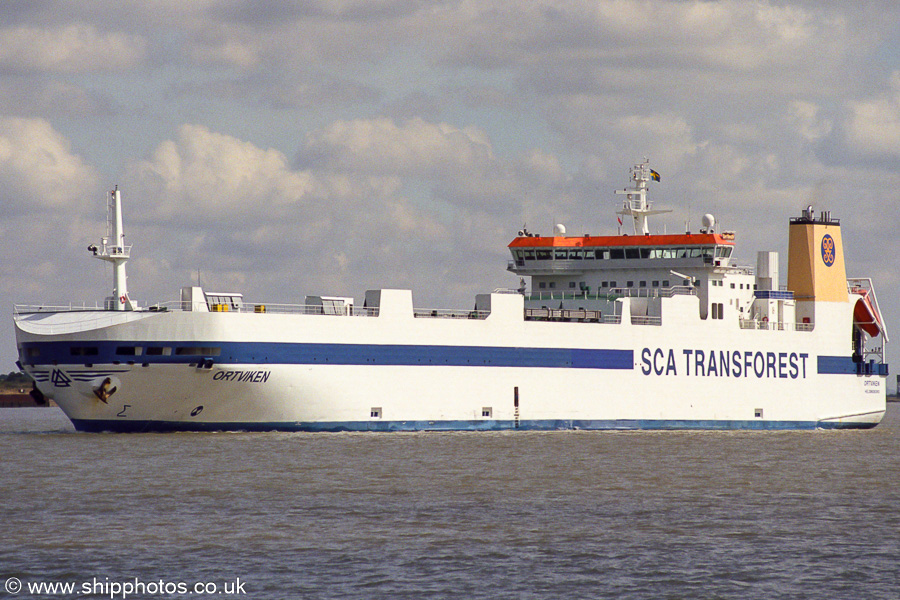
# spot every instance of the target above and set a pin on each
(636, 205)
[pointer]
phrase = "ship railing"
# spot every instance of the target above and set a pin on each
(645, 320)
(614, 293)
(774, 325)
(567, 296)
(547, 266)
(440, 313)
(23, 309)
(677, 290)
(260, 308)
(566, 314)
(310, 309)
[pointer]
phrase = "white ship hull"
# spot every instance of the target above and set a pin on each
(394, 372)
(650, 332)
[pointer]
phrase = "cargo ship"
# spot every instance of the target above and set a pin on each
(636, 330)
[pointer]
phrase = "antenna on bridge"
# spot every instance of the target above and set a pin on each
(636, 205)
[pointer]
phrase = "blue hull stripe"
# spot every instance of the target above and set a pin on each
(836, 365)
(844, 365)
(104, 352)
(127, 426)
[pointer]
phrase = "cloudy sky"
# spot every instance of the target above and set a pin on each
(334, 146)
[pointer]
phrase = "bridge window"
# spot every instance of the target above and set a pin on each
(723, 251)
(129, 350)
(589, 255)
(543, 254)
(198, 351)
(632, 253)
(529, 254)
(576, 254)
(84, 350)
(617, 253)
(561, 254)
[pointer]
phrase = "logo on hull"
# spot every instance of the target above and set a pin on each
(60, 379)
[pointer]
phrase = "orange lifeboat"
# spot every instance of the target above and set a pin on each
(865, 315)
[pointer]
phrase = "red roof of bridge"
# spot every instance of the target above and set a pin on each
(607, 241)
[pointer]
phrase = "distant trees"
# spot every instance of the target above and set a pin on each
(15, 379)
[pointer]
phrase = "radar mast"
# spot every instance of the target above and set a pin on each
(113, 249)
(635, 204)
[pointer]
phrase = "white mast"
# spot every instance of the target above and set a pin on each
(636, 204)
(114, 250)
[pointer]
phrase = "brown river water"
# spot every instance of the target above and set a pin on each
(568, 514)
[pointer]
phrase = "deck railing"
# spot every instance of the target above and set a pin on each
(774, 326)
(615, 293)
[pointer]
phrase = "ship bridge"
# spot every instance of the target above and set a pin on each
(535, 255)
(599, 263)
(591, 271)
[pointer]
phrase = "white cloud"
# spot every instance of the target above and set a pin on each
(640, 34)
(72, 48)
(38, 170)
(202, 174)
(806, 118)
(415, 147)
(873, 128)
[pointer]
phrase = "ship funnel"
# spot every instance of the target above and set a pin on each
(816, 271)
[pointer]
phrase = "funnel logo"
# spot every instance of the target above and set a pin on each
(828, 255)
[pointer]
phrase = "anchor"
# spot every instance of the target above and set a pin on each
(104, 391)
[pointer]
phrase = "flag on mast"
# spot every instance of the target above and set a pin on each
(654, 175)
